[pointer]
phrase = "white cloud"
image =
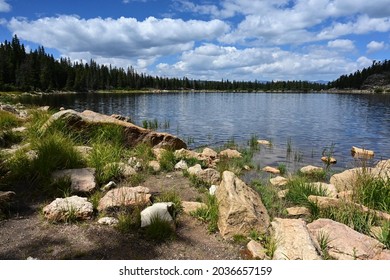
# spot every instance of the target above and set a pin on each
(122, 38)
(216, 62)
(4, 6)
(342, 44)
(364, 62)
(375, 46)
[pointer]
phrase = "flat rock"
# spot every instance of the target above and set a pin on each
(282, 193)
(82, 180)
(271, 169)
(209, 175)
(194, 170)
(309, 169)
(344, 242)
(240, 208)
(293, 240)
(298, 211)
(257, 250)
(278, 181)
(185, 154)
(345, 180)
(361, 152)
(330, 189)
(192, 206)
(133, 134)
(109, 221)
(125, 196)
(62, 209)
(156, 210)
(229, 153)
(383, 164)
(264, 142)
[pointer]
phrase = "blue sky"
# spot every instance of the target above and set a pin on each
(204, 39)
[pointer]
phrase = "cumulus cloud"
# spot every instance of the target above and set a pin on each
(123, 38)
(4, 6)
(342, 44)
(375, 46)
(216, 62)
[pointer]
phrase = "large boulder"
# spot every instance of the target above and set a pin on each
(133, 134)
(69, 208)
(345, 180)
(345, 243)
(240, 208)
(82, 180)
(293, 241)
(125, 196)
(160, 210)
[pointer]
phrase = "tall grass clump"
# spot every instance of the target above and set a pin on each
(167, 160)
(252, 143)
(159, 229)
(269, 196)
(299, 191)
(143, 152)
(106, 133)
(373, 191)
(209, 214)
(236, 165)
(129, 219)
(37, 118)
(8, 120)
(9, 137)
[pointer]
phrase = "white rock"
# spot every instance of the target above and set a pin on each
(194, 170)
(110, 185)
(61, 209)
(181, 165)
(213, 189)
(158, 209)
(155, 165)
(108, 221)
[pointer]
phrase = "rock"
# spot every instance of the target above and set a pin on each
(181, 165)
(155, 165)
(310, 169)
(329, 160)
(383, 165)
(230, 153)
(209, 153)
(240, 208)
(257, 250)
(209, 175)
(272, 170)
(85, 151)
(361, 153)
(282, 193)
(156, 210)
(344, 242)
(125, 169)
(278, 181)
(64, 209)
(247, 167)
(110, 185)
(158, 152)
(264, 142)
(132, 161)
(121, 118)
(330, 189)
(185, 154)
(29, 258)
(19, 129)
(125, 196)
(109, 221)
(192, 206)
(293, 240)
(345, 195)
(345, 180)
(6, 198)
(194, 170)
(133, 134)
(294, 212)
(62, 108)
(138, 167)
(213, 189)
(82, 180)
(384, 255)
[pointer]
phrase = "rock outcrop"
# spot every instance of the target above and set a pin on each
(345, 243)
(240, 208)
(133, 134)
(293, 241)
(125, 196)
(82, 180)
(68, 209)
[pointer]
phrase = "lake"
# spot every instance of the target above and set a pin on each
(307, 122)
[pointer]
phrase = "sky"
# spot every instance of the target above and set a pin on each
(242, 40)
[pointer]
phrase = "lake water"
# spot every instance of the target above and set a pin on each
(309, 122)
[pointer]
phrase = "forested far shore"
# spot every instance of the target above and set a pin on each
(38, 71)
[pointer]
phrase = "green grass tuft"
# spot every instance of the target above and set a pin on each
(209, 214)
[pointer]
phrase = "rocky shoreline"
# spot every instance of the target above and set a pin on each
(128, 193)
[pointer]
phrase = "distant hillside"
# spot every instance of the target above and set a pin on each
(376, 77)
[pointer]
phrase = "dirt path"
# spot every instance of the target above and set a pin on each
(29, 235)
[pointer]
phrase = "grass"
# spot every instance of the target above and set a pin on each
(373, 192)
(143, 152)
(384, 237)
(128, 220)
(167, 161)
(9, 138)
(282, 168)
(171, 196)
(299, 191)
(269, 196)
(252, 143)
(236, 165)
(209, 214)
(8, 120)
(159, 230)
(323, 241)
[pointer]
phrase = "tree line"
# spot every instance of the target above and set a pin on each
(37, 70)
(356, 80)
